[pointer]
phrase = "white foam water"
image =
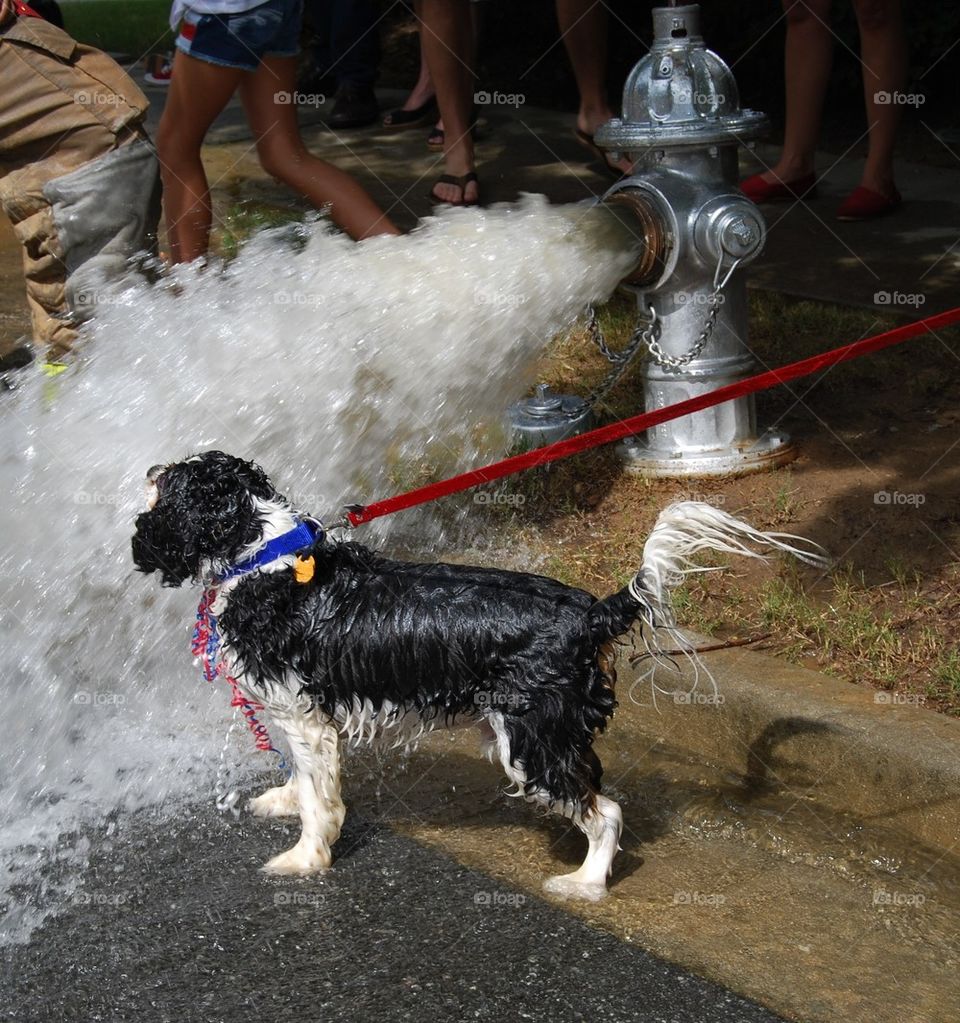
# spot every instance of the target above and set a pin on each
(342, 368)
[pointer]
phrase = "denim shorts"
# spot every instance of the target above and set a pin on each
(271, 29)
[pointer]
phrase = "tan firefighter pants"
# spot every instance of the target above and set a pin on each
(78, 177)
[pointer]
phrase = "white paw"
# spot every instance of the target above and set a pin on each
(279, 802)
(568, 886)
(298, 861)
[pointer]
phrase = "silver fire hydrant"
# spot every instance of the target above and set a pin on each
(681, 126)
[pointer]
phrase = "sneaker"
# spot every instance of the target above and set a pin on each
(160, 70)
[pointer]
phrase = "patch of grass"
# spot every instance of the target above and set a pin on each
(885, 623)
(947, 671)
(244, 219)
(135, 28)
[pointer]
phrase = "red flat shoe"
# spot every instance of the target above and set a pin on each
(758, 190)
(865, 204)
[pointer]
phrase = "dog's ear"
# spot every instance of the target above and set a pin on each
(205, 514)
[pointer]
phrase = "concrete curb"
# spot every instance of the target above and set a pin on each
(850, 748)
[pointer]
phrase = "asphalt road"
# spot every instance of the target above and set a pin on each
(173, 923)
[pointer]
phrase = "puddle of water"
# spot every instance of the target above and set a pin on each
(820, 916)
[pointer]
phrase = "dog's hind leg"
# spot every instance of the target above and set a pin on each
(602, 823)
(598, 817)
(315, 744)
(282, 801)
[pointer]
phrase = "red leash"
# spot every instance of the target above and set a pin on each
(358, 515)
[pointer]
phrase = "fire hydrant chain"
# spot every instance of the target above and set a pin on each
(645, 333)
(714, 301)
(648, 332)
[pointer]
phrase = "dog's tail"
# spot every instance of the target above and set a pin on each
(683, 530)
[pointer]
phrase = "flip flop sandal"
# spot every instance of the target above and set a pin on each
(400, 119)
(461, 183)
(586, 139)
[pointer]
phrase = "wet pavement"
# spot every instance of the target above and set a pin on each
(175, 923)
(906, 262)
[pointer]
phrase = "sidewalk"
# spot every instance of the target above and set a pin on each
(914, 252)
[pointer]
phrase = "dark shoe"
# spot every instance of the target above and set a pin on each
(758, 190)
(15, 360)
(353, 107)
(315, 83)
(400, 119)
(461, 183)
(435, 140)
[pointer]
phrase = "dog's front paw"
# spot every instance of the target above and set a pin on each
(568, 886)
(299, 861)
(279, 802)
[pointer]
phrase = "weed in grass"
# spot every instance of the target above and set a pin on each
(947, 671)
(903, 576)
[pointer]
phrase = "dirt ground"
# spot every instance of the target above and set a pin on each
(875, 483)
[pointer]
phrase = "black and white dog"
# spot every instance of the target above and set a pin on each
(334, 639)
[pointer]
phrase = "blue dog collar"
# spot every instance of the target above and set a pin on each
(306, 534)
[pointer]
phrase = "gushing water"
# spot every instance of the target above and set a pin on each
(342, 369)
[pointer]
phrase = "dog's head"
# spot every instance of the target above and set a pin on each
(203, 515)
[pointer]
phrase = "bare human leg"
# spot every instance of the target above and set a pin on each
(583, 28)
(447, 38)
(198, 92)
(284, 156)
(808, 58)
(883, 54)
